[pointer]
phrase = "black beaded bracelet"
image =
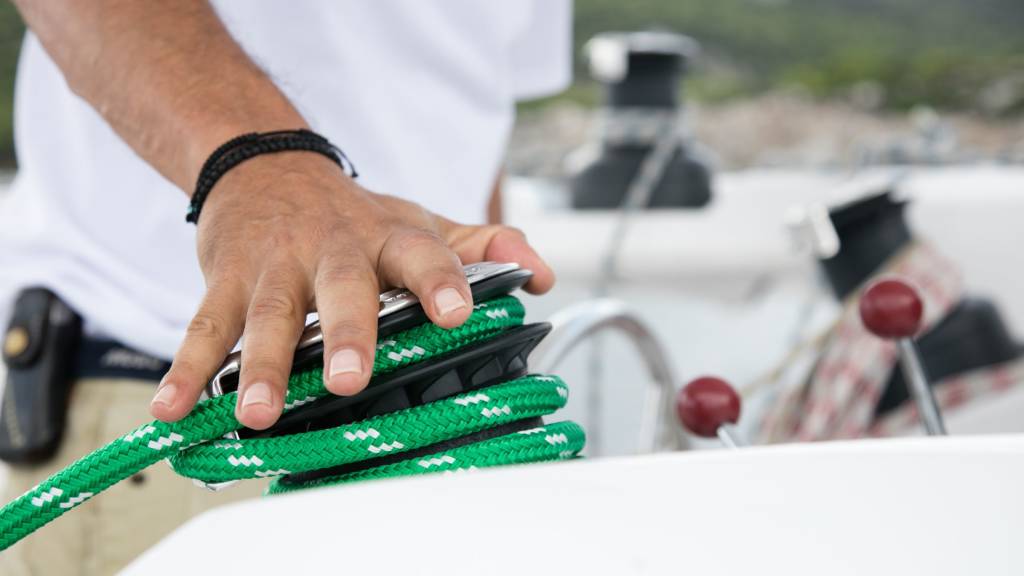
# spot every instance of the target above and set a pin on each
(241, 148)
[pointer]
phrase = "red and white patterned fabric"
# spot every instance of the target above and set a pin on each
(952, 393)
(839, 398)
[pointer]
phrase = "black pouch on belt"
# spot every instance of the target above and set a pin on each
(39, 350)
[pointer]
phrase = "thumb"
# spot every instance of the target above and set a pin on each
(500, 244)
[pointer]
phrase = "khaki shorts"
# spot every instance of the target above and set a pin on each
(106, 533)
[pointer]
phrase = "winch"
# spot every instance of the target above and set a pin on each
(440, 400)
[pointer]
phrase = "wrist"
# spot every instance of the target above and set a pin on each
(244, 148)
(209, 139)
(287, 187)
(255, 105)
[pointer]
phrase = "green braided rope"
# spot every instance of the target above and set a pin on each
(396, 432)
(221, 460)
(559, 441)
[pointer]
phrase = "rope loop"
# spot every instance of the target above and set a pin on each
(195, 445)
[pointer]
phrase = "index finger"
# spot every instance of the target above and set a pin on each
(210, 336)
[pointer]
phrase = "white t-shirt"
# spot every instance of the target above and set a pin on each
(420, 94)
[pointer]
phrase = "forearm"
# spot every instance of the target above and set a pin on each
(166, 76)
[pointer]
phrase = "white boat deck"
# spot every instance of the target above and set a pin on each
(913, 506)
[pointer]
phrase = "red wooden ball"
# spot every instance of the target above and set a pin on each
(891, 308)
(707, 403)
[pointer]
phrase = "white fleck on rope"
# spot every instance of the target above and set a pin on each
(496, 411)
(139, 433)
(46, 497)
(228, 445)
(556, 439)
(269, 473)
(386, 447)
(245, 461)
(429, 462)
(460, 471)
(165, 441)
(76, 500)
(474, 399)
(406, 354)
(362, 434)
(297, 403)
(385, 344)
(497, 313)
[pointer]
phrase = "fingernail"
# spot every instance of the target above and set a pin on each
(165, 395)
(257, 393)
(346, 361)
(448, 300)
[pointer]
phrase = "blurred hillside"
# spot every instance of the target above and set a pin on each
(823, 83)
(11, 31)
(950, 54)
(964, 55)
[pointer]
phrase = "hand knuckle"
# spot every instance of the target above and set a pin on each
(273, 305)
(206, 326)
(345, 272)
(279, 278)
(226, 266)
(415, 239)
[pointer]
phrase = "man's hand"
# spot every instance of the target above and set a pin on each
(280, 234)
(285, 234)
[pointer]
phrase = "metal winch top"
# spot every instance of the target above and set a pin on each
(641, 130)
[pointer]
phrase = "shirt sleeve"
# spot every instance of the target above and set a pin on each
(541, 54)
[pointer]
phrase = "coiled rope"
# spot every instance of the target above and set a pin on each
(195, 445)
